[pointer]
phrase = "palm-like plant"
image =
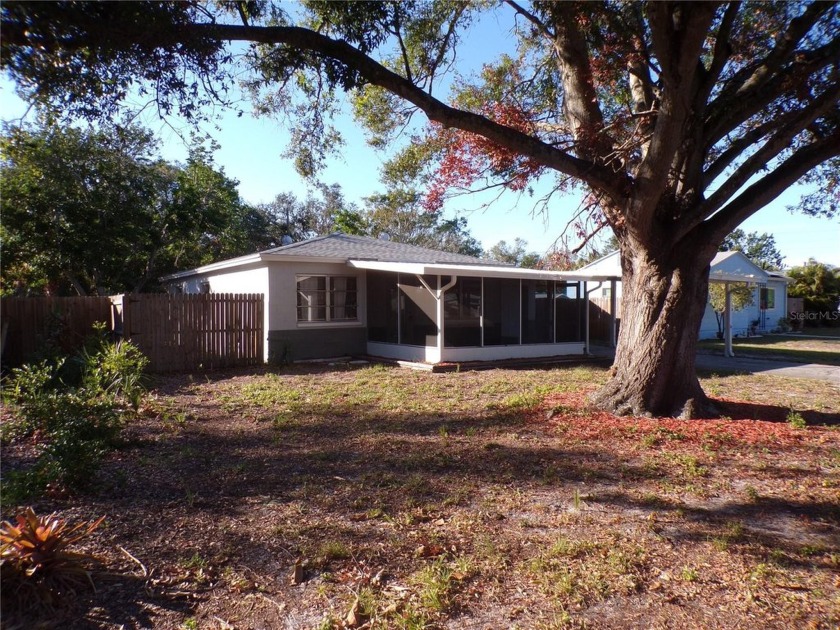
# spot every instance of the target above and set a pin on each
(36, 563)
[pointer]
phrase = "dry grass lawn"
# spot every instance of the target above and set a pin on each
(373, 497)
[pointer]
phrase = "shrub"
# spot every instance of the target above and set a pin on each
(116, 369)
(795, 420)
(36, 566)
(79, 412)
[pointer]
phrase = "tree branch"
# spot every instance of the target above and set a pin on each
(769, 187)
(739, 145)
(593, 174)
(533, 19)
(786, 43)
(677, 35)
(727, 113)
(459, 11)
(583, 112)
(775, 145)
(721, 53)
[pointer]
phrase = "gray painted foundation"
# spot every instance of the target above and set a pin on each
(315, 343)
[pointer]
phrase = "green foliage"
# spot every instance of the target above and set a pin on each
(513, 253)
(795, 420)
(93, 84)
(77, 422)
(399, 214)
(819, 284)
(97, 211)
(759, 248)
(37, 567)
(741, 296)
(116, 369)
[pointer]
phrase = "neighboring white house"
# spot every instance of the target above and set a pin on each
(769, 292)
(352, 295)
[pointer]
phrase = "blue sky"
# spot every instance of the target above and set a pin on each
(251, 152)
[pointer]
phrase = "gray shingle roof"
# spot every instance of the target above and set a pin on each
(347, 247)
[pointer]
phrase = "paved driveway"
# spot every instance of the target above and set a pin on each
(714, 362)
(816, 371)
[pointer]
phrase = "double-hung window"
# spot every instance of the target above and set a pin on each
(326, 299)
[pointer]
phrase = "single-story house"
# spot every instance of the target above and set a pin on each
(353, 295)
(769, 287)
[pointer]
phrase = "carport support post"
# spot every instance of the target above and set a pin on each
(727, 324)
(613, 305)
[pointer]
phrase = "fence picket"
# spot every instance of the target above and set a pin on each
(175, 332)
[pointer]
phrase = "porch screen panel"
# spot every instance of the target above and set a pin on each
(312, 299)
(569, 312)
(462, 314)
(382, 306)
(501, 312)
(417, 326)
(537, 311)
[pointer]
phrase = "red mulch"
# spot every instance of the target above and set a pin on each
(741, 427)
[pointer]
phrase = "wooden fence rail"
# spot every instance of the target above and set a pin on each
(176, 332)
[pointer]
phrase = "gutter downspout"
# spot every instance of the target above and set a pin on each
(613, 305)
(727, 324)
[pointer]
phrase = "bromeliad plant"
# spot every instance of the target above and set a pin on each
(37, 566)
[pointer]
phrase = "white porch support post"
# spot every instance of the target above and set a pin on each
(439, 318)
(613, 306)
(727, 324)
(438, 295)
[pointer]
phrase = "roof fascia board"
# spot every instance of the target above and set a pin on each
(473, 270)
(224, 264)
(719, 276)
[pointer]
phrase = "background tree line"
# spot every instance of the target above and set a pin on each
(97, 211)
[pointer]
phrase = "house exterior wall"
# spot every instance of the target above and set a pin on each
(770, 320)
(286, 338)
(297, 345)
(290, 340)
(251, 279)
(742, 320)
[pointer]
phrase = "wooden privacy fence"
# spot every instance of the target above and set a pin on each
(184, 332)
(176, 332)
(600, 318)
(34, 324)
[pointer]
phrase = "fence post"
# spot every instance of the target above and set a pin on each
(120, 316)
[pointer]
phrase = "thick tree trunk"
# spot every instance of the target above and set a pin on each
(662, 306)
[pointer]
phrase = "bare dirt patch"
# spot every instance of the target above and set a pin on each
(348, 496)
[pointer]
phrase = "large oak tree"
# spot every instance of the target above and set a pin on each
(680, 119)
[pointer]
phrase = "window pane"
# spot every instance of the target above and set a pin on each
(343, 298)
(311, 298)
(343, 305)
